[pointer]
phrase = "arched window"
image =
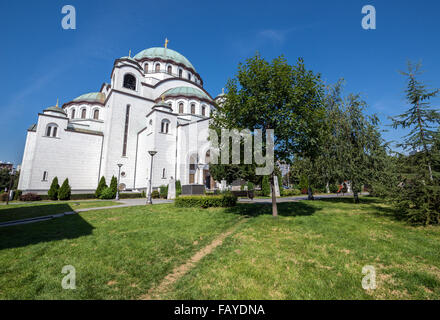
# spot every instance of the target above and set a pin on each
(193, 108)
(164, 173)
(73, 114)
(130, 82)
(181, 107)
(164, 126)
(203, 110)
(169, 69)
(83, 113)
(158, 67)
(96, 114)
(180, 73)
(208, 157)
(146, 68)
(51, 130)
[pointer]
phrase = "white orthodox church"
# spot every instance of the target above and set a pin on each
(154, 102)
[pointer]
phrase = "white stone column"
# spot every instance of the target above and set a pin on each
(276, 185)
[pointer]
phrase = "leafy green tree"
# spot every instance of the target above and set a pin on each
(5, 178)
(65, 191)
(54, 188)
(101, 186)
(274, 96)
(350, 146)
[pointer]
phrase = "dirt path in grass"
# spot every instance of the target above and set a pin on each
(180, 271)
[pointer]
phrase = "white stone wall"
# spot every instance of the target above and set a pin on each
(70, 155)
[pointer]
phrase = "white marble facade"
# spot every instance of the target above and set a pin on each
(155, 101)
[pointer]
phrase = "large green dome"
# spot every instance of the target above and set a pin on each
(165, 54)
(186, 92)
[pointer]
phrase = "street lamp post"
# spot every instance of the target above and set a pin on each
(152, 153)
(119, 177)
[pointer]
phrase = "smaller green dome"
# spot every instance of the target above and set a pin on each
(186, 92)
(92, 97)
(56, 109)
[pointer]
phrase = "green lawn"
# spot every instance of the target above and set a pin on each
(314, 250)
(23, 211)
(117, 253)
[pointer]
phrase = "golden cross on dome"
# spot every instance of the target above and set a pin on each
(129, 53)
(166, 42)
(57, 102)
(163, 98)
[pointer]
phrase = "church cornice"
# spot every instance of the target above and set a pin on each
(67, 104)
(179, 79)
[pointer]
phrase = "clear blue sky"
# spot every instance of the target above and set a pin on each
(42, 62)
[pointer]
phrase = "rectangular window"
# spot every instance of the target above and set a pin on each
(45, 176)
(127, 116)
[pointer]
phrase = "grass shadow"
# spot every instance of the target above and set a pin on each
(12, 212)
(286, 209)
(67, 227)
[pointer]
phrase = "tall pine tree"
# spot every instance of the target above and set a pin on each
(418, 197)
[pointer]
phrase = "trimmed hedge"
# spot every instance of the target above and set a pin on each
(224, 200)
(30, 197)
(131, 195)
(291, 192)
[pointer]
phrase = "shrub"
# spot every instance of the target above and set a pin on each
(224, 200)
(155, 194)
(82, 196)
(101, 186)
(178, 188)
(107, 193)
(143, 194)
(17, 194)
(3, 196)
(54, 188)
(30, 197)
(333, 188)
(114, 186)
(65, 191)
(292, 192)
(265, 186)
(163, 191)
